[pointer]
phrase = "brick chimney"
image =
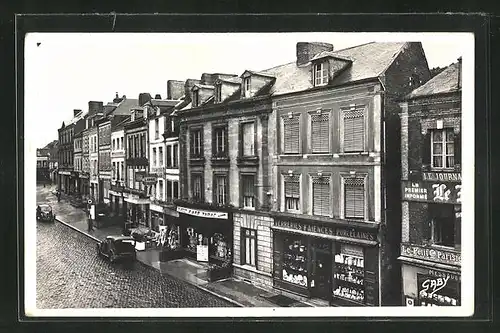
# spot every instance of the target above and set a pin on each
(157, 96)
(76, 112)
(175, 89)
(307, 50)
(95, 107)
(117, 99)
(144, 98)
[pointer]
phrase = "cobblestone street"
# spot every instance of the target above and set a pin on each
(71, 275)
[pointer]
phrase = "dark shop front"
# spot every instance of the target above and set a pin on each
(206, 235)
(335, 263)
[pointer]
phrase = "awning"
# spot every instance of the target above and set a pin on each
(424, 263)
(138, 201)
(332, 237)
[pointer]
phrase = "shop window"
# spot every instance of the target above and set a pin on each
(445, 224)
(291, 134)
(196, 142)
(349, 273)
(219, 246)
(442, 148)
(320, 132)
(354, 198)
(295, 260)
(354, 130)
(220, 141)
(197, 187)
(439, 289)
(292, 193)
(248, 139)
(320, 73)
(220, 190)
(248, 191)
(321, 200)
(169, 156)
(248, 246)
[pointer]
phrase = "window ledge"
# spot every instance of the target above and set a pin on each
(290, 155)
(364, 153)
(444, 247)
(252, 269)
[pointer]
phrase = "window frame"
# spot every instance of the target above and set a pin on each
(242, 191)
(242, 137)
(192, 142)
(247, 85)
(157, 128)
(343, 177)
(202, 192)
(443, 143)
(343, 110)
(457, 223)
(310, 114)
(225, 140)
(282, 133)
(323, 65)
(215, 188)
(283, 194)
(245, 249)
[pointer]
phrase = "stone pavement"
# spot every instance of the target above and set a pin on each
(234, 290)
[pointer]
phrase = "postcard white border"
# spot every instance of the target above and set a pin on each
(467, 292)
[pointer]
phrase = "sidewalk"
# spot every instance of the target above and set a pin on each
(234, 290)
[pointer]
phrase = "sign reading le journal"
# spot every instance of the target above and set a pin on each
(202, 213)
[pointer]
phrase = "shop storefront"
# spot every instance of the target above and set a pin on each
(338, 264)
(137, 210)
(206, 235)
(431, 276)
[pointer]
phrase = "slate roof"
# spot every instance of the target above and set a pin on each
(368, 61)
(73, 120)
(164, 102)
(203, 86)
(445, 82)
(124, 107)
(233, 80)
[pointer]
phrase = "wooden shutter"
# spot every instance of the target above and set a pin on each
(458, 149)
(321, 196)
(354, 130)
(354, 198)
(291, 132)
(426, 149)
(320, 132)
(292, 187)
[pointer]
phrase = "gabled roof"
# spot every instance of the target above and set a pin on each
(202, 86)
(73, 120)
(331, 54)
(164, 102)
(121, 124)
(232, 80)
(368, 61)
(257, 73)
(447, 81)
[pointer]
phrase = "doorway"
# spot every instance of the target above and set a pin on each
(321, 269)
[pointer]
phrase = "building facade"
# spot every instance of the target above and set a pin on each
(42, 165)
(118, 168)
(335, 171)
(431, 192)
(67, 177)
(95, 112)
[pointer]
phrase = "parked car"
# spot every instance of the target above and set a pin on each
(44, 213)
(117, 248)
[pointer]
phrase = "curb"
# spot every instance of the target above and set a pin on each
(227, 299)
(144, 264)
(76, 229)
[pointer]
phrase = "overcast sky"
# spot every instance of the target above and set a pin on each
(65, 71)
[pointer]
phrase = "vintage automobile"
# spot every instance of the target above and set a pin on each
(117, 248)
(44, 213)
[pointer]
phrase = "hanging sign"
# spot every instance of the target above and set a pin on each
(202, 252)
(202, 213)
(432, 192)
(149, 180)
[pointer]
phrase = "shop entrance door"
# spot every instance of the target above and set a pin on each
(321, 271)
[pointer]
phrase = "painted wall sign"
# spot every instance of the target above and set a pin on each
(450, 276)
(442, 176)
(439, 291)
(326, 230)
(432, 192)
(449, 257)
(202, 213)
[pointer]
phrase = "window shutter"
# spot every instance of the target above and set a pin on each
(291, 131)
(426, 149)
(321, 196)
(354, 130)
(248, 139)
(458, 149)
(354, 197)
(292, 187)
(320, 132)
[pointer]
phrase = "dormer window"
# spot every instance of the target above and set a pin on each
(218, 93)
(195, 98)
(246, 87)
(320, 74)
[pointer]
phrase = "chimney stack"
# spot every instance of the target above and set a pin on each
(307, 50)
(117, 99)
(175, 89)
(157, 96)
(95, 107)
(144, 98)
(76, 112)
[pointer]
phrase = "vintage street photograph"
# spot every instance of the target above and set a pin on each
(268, 174)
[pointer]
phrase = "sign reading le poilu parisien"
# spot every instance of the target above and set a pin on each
(432, 192)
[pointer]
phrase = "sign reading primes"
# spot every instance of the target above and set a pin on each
(202, 213)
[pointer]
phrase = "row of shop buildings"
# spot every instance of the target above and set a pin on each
(335, 177)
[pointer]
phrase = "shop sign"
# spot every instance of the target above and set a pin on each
(320, 229)
(442, 176)
(432, 254)
(149, 180)
(158, 171)
(437, 290)
(450, 276)
(432, 192)
(66, 173)
(202, 252)
(202, 213)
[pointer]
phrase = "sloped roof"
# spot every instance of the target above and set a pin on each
(368, 61)
(73, 120)
(233, 80)
(124, 107)
(203, 86)
(121, 124)
(445, 82)
(164, 102)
